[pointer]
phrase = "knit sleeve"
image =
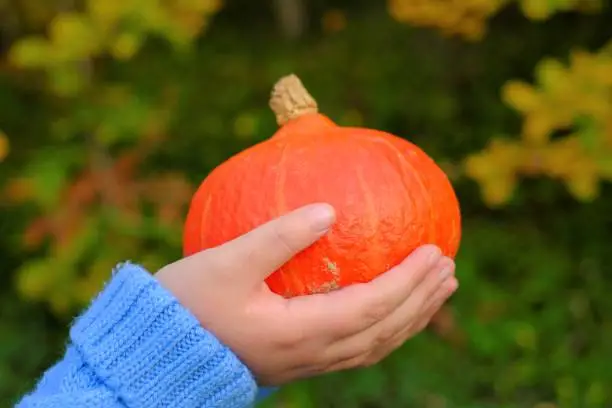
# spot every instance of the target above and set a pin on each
(137, 347)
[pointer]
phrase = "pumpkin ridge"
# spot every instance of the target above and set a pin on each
(373, 219)
(203, 219)
(408, 165)
(280, 179)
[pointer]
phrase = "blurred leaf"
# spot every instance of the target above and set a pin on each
(32, 52)
(72, 37)
(4, 146)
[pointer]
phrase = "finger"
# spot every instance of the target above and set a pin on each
(445, 291)
(443, 294)
(360, 351)
(408, 314)
(266, 248)
(412, 330)
(360, 361)
(416, 307)
(354, 308)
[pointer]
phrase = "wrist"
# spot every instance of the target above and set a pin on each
(148, 348)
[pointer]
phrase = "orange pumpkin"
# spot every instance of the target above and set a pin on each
(390, 197)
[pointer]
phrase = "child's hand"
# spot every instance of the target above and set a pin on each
(284, 339)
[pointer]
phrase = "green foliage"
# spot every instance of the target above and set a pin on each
(113, 119)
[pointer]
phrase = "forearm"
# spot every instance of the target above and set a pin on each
(136, 346)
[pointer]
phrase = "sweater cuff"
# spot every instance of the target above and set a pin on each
(153, 352)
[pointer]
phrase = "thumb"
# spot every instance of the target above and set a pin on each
(265, 249)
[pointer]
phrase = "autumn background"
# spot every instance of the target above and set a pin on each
(112, 111)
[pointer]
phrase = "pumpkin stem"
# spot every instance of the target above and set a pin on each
(290, 100)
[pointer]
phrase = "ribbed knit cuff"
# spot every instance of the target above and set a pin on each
(153, 352)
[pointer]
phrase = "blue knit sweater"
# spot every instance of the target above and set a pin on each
(137, 347)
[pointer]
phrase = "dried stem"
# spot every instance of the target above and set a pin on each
(290, 100)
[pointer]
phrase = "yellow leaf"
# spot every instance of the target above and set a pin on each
(478, 166)
(486, 7)
(152, 15)
(583, 183)
(595, 106)
(536, 9)
(73, 37)
(537, 127)
(505, 153)
(198, 6)
(581, 63)
(4, 146)
(551, 73)
(466, 18)
(603, 73)
(473, 29)
(533, 160)
(30, 52)
(497, 192)
(521, 96)
(398, 9)
(125, 46)
(106, 13)
(558, 155)
(499, 159)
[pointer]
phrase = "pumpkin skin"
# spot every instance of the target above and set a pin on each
(389, 197)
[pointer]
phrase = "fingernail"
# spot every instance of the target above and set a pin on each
(454, 285)
(433, 254)
(446, 272)
(322, 217)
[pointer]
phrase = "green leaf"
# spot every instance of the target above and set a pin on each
(49, 170)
